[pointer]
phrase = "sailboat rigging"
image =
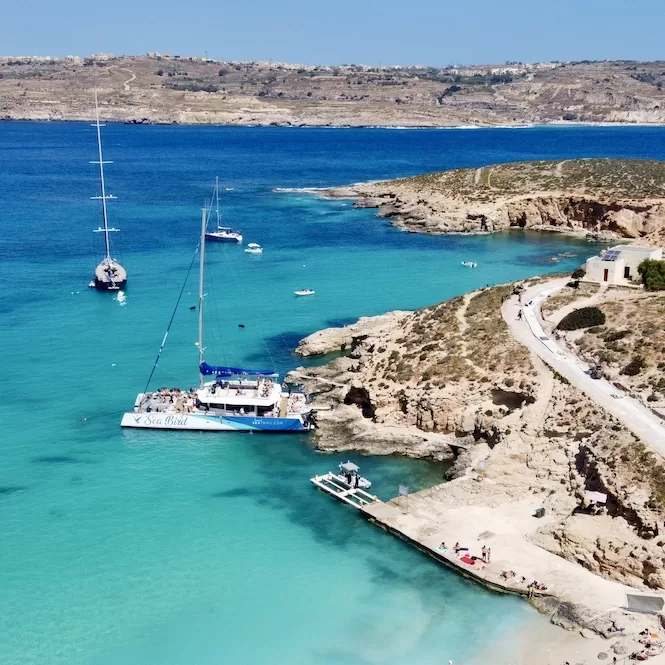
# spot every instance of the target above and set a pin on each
(236, 399)
(109, 274)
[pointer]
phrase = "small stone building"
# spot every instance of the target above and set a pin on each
(618, 265)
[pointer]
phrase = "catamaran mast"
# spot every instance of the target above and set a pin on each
(103, 197)
(204, 221)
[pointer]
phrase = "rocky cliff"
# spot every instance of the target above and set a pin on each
(450, 381)
(600, 197)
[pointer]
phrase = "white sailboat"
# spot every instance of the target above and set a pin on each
(236, 399)
(222, 233)
(109, 274)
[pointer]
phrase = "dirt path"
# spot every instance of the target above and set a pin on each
(460, 315)
(129, 80)
(559, 167)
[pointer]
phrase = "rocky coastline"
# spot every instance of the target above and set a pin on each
(600, 199)
(451, 382)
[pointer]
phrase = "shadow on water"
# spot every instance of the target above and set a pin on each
(59, 459)
(236, 493)
(286, 488)
(6, 491)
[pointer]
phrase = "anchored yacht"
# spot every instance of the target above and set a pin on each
(222, 233)
(109, 274)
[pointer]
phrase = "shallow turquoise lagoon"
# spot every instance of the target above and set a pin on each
(152, 548)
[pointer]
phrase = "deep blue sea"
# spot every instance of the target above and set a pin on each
(149, 548)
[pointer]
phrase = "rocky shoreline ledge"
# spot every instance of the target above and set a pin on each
(451, 382)
(601, 199)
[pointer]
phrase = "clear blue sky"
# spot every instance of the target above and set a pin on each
(435, 32)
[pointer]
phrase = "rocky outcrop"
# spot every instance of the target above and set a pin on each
(346, 338)
(415, 370)
(611, 198)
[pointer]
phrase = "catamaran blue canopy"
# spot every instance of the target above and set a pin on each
(214, 370)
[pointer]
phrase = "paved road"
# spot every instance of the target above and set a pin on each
(529, 331)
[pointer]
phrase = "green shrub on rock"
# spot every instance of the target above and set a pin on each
(634, 367)
(585, 317)
(653, 274)
(578, 274)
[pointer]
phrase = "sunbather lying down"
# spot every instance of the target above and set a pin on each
(507, 574)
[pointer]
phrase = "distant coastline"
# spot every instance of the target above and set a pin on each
(274, 125)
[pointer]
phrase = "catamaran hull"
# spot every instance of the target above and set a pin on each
(212, 422)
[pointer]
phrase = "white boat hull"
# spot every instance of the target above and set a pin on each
(213, 422)
(224, 237)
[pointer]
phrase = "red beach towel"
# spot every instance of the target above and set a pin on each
(467, 559)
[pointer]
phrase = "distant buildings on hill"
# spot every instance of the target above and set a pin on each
(509, 69)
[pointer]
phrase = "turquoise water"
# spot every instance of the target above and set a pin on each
(190, 549)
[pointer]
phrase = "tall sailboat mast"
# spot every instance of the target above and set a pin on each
(204, 221)
(217, 198)
(103, 197)
(109, 274)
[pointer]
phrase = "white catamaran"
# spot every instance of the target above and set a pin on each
(222, 233)
(109, 274)
(236, 399)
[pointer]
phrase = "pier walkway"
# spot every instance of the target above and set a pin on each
(512, 550)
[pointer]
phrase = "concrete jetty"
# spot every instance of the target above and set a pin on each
(394, 520)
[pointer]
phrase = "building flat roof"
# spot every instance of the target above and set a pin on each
(634, 248)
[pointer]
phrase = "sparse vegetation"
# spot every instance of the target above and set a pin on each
(635, 366)
(615, 335)
(525, 95)
(585, 317)
(653, 274)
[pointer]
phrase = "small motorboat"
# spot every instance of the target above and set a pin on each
(348, 472)
(305, 292)
(254, 248)
(470, 264)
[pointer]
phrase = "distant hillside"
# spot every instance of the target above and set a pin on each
(171, 89)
